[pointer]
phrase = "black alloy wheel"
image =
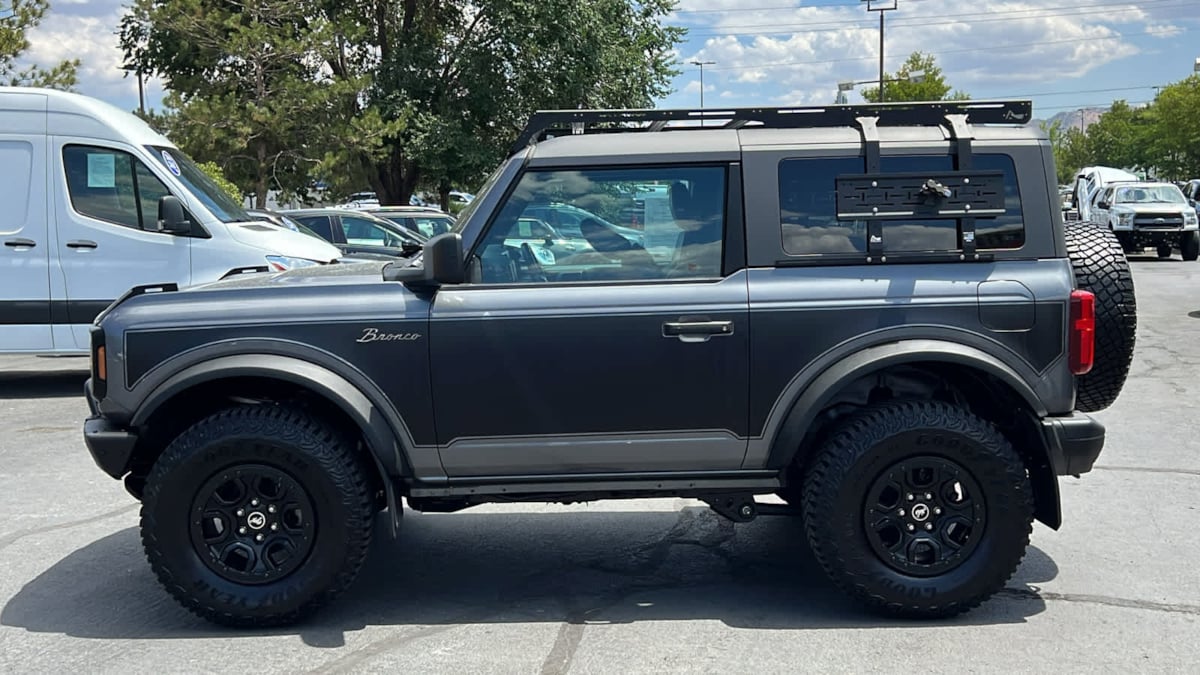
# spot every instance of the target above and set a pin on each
(252, 524)
(925, 515)
(918, 509)
(258, 515)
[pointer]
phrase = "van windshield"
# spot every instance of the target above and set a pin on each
(224, 207)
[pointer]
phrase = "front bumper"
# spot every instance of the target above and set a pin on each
(1144, 238)
(111, 447)
(1075, 441)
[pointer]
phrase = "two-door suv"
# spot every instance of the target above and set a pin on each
(872, 311)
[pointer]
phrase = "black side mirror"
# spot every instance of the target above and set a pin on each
(442, 264)
(1103, 204)
(171, 217)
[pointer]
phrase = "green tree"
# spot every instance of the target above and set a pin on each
(1173, 127)
(396, 94)
(246, 88)
(900, 86)
(1119, 138)
(17, 17)
(214, 172)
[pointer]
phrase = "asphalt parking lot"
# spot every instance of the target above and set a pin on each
(622, 587)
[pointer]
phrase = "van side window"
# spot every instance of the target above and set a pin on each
(112, 186)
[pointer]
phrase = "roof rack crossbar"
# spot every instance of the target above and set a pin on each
(889, 114)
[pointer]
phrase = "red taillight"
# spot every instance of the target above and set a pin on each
(1082, 345)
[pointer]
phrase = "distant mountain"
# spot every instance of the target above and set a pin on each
(1073, 118)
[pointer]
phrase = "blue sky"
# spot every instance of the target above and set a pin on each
(1062, 55)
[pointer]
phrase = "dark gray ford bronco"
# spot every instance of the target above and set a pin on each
(874, 312)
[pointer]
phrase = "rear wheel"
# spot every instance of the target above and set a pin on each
(1164, 250)
(918, 509)
(257, 516)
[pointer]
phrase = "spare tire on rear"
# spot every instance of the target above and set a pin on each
(1100, 266)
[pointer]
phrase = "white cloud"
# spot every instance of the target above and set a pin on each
(802, 52)
(78, 29)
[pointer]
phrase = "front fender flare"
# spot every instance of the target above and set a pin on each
(385, 442)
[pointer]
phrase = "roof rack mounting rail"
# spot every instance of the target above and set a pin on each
(935, 113)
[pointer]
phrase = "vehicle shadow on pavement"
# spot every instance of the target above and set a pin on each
(50, 384)
(479, 568)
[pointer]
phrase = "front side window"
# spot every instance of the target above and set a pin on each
(562, 226)
(219, 203)
(112, 186)
(808, 208)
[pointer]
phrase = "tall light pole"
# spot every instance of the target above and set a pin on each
(880, 6)
(702, 64)
(916, 77)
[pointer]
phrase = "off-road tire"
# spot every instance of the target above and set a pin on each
(319, 459)
(1164, 251)
(1189, 246)
(871, 443)
(1100, 266)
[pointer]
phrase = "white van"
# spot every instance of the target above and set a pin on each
(1090, 181)
(81, 187)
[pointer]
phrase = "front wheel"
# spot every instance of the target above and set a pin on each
(1189, 245)
(918, 509)
(257, 516)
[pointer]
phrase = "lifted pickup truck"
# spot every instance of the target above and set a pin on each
(874, 312)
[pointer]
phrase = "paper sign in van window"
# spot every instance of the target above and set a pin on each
(102, 170)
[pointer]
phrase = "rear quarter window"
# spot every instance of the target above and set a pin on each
(808, 208)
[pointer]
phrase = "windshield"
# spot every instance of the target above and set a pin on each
(1150, 194)
(480, 194)
(224, 207)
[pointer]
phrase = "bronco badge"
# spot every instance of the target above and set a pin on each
(373, 335)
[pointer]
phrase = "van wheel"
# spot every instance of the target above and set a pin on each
(257, 516)
(1100, 266)
(918, 509)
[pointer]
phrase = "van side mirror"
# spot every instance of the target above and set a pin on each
(171, 217)
(442, 263)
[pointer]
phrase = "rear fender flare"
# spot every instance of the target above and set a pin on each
(824, 387)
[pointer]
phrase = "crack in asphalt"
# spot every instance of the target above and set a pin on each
(13, 538)
(694, 527)
(356, 659)
(1108, 601)
(1147, 469)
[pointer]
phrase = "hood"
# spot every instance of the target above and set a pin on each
(342, 272)
(275, 240)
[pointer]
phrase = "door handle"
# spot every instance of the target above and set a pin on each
(20, 243)
(81, 243)
(684, 329)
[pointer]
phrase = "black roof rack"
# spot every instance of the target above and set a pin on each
(544, 124)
